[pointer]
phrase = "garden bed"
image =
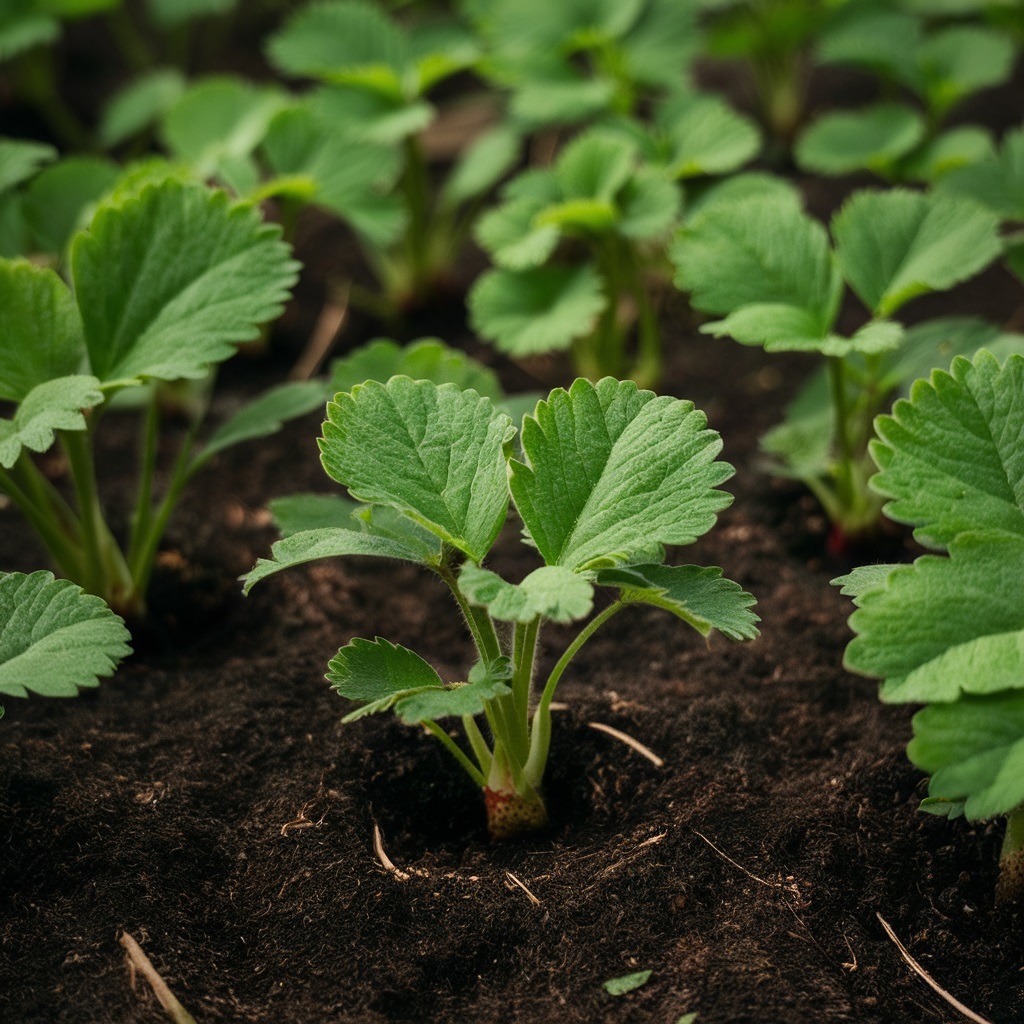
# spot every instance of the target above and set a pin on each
(208, 802)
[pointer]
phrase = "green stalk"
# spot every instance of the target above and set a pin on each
(481, 751)
(540, 739)
(147, 470)
(1010, 884)
(415, 184)
(608, 342)
(846, 490)
(130, 42)
(648, 367)
(457, 752)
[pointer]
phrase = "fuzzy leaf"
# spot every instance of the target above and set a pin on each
(329, 542)
(457, 699)
(40, 328)
(169, 281)
(706, 136)
(698, 595)
(61, 197)
(529, 311)
(263, 416)
(951, 457)
(298, 513)
(945, 626)
(760, 251)
(54, 638)
(53, 405)
(551, 591)
(896, 245)
(423, 359)
(139, 105)
(875, 138)
(859, 581)
(514, 238)
(974, 751)
(434, 453)
(595, 165)
(610, 468)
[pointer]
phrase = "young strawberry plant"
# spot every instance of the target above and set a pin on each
(165, 282)
(780, 283)
(941, 67)
(948, 631)
(377, 75)
(601, 198)
(608, 475)
(54, 639)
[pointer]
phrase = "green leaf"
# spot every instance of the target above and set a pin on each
(344, 42)
(423, 359)
(538, 310)
(329, 542)
(20, 159)
(696, 594)
(483, 164)
(974, 751)
(951, 458)
(217, 120)
(53, 405)
(60, 199)
(298, 513)
(610, 468)
(896, 245)
(263, 416)
(434, 453)
(649, 205)
(945, 626)
(996, 182)
(875, 138)
(169, 281)
(884, 41)
(950, 151)
(627, 983)
(20, 30)
(55, 639)
(514, 238)
(560, 100)
(170, 14)
(595, 165)
(551, 591)
(859, 581)
(957, 61)
(40, 328)
(706, 136)
(370, 116)
(763, 252)
(139, 105)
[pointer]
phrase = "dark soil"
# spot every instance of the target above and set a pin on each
(208, 802)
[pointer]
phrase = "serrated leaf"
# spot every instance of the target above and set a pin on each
(219, 119)
(170, 280)
(873, 138)
(696, 594)
(609, 467)
(330, 542)
(263, 416)
(896, 245)
(139, 105)
(760, 251)
(649, 205)
(974, 751)
(379, 672)
(513, 237)
(40, 328)
(859, 581)
(552, 591)
(370, 116)
(54, 639)
(950, 457)
(538, 310)
(423, 359)
(458, 699)
(20, 159)
(60, 199)
(737, 187)
(595, 165)
(297, 513)
(435, 453)
(945, 626)
(53, 405)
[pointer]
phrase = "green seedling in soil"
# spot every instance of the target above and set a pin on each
(54, 639)
(941, 67)
(948, 631)
(608, 475)
(574, 63)
(600, 199)
(377, 76)
(166, 281)
(772, 39)
(779, 281)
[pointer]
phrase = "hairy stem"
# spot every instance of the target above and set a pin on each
(1010, 885)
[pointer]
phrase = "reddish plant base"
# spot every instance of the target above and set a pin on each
(510, 815)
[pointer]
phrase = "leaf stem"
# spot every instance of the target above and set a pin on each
(147, 470)
(457, 752)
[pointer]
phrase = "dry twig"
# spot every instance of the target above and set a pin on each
(522, 885)
(629, 741)
(138, 961)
